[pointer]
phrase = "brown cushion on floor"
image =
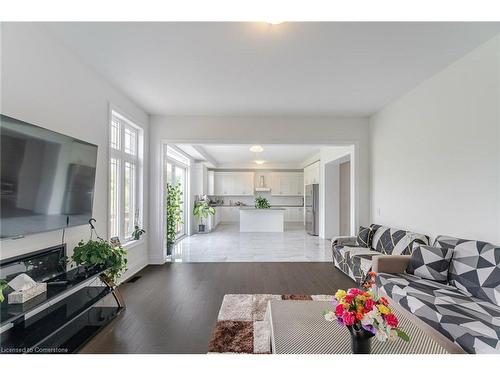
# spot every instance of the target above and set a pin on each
(232, 336)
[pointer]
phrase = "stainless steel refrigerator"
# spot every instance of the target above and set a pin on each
(312, 209)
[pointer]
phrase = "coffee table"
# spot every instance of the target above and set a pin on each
(298, 327)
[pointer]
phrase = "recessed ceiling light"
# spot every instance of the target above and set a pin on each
(260, 162)
(256, 148)
(275, 22)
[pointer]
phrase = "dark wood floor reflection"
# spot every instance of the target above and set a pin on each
(172, 308)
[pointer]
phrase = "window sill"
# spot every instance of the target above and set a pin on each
(133, 243)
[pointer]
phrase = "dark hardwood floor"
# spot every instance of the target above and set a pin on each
(172, 308)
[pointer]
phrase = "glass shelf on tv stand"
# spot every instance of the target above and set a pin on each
(62, 319)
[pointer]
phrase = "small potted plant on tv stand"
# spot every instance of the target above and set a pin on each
(101, 254)
(202, 211)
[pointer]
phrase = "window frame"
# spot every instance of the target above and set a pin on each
(124, 157)
(162, 194)
(178, 159)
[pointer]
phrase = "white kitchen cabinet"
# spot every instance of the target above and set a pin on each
(217, 215)
(224, 214)
(222, 183)
(294, 214)
(234, 183)
(230, 214)
(214, 220)
(210, 183)
(287, 183)
(311, 174)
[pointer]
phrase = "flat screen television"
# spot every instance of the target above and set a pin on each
(47, 179)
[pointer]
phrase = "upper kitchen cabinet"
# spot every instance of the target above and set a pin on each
(311, 174)
(234, 183)
(211, 183)
(287, 183)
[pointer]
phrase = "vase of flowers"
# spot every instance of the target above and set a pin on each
(365, 315)
(361, 342)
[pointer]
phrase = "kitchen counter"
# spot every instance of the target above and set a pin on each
(262, 219)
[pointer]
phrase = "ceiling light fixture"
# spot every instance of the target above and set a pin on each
(256, 148)
(275, 22)
(259, 162)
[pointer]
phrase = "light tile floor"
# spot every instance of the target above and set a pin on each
(227, 244)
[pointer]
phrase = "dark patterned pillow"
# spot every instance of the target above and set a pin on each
(428, 262)
(475, 268)
(364, 238)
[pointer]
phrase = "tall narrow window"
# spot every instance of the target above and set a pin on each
(124, 177)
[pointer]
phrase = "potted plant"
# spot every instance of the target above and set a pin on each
(3, 285)
(365, 315)
(202, 211)
(137, 233)
(261, 202)
(174, 213)
(95, 253)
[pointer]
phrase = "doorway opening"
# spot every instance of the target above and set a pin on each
(338, 192)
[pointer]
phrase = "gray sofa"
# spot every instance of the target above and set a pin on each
(356, 260)
(465, 308)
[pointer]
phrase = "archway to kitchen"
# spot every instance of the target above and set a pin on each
(291, 179)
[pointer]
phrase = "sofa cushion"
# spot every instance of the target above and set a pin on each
(395, 241)
(472, 323)
(355, 262)
(475, 268)
(430, 262)
(364, 238)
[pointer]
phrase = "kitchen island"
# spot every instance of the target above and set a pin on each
(262, 219)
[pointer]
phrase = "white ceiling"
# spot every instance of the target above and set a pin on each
(239, 156)
(248, 68)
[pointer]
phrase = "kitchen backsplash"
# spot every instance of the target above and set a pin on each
(250, 201)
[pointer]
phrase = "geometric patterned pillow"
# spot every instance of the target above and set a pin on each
(364, 238)
(391, 241)
(431, 263)
(475, 268)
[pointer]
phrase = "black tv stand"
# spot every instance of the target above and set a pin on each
(62, 319)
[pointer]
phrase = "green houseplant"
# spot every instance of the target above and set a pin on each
(261, 202)
(174, 213)
(3, 285)
(202, 211)
(137, 233)
(101, 253)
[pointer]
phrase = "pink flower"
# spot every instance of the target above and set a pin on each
(391, 320)
(349, 318)
(369, 304)
(348, 298)
(354, 291)
(339, 310)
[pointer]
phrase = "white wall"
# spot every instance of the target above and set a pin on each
(257, 129)
(436, 152)
(45, 84)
